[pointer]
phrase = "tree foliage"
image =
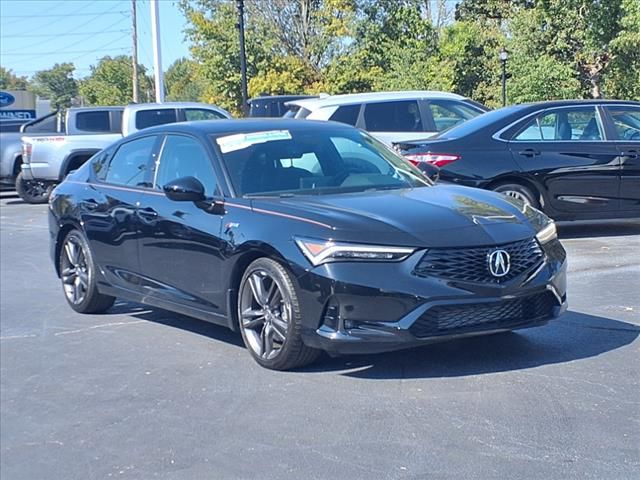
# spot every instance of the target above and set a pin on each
(11, 81)
(56, 84)
(182, 81)
(558, 48)
(111, 82)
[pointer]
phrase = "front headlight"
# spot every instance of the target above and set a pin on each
(320, 251)
(547, 234)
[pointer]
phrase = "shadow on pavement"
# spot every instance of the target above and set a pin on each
(613, 228)
(573, 337)
(175, 320)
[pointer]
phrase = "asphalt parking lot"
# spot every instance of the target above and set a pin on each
(140, 393)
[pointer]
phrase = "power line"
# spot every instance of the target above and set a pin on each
(60, 34)
(38, 27)
(14, 53)
(120, 12)
(104, 46)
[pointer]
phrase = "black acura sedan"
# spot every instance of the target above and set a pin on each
(304, 236)
(574, 159)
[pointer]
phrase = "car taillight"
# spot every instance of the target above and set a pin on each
(26, 152)
(437, 159)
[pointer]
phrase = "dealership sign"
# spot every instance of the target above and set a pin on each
(6, 99)
(17, 105)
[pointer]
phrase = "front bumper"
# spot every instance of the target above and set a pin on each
(371, 308)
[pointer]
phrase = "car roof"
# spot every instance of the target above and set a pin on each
(578, 102)
(372, 97)
(134, 107)
(244, 125)
(282, 97)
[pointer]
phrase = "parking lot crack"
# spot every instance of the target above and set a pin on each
(104, 325)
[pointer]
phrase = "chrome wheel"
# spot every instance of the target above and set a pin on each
(264, 314)
(515, 194)
(74, 271)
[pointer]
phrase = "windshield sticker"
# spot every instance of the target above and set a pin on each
(239, 141)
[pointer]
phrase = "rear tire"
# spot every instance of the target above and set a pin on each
(33, 191)
(270, 319)
(515, 190)
(78, 276)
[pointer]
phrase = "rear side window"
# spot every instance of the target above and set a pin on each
(626, 122)
(447, 114)
(131, 164)
(151, 118)
(346, 114)
(403, 116)
(563, 125)
(93, 121)
(201, 114)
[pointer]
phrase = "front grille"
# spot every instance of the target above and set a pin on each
(471, 264)
(451, 319)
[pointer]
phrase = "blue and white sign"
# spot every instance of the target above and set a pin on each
(6, 99)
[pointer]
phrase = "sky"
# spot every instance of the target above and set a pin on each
(36, 34)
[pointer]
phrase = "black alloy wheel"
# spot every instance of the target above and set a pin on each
(77, 272)
(33, 191)
(270, 318)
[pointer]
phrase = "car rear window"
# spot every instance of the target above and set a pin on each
(99, 121)
(151, 118)
(346, 114)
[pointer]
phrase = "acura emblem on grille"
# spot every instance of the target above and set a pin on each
(499, 263)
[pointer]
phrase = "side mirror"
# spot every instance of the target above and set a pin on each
(185, 189)
(430, 171)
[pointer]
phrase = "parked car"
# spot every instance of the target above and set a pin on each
(304, 236)
(392, 116)
(272, 105)
(11, 133)
(47, 160)
(574, 159)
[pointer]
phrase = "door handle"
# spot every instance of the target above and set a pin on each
(529, 152)
(631, 154)
(148, 213)
(90, 204)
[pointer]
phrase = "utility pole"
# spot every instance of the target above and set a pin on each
(243, 55)
(157, 58)
(134, 55)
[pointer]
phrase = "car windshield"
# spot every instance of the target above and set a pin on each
(313, 162)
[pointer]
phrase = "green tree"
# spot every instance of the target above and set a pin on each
(577, 35)
(622, 78)
(56, 84)
(182, 81)
(11, 81)
(111, 82)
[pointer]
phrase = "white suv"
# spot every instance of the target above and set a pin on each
(391, 116)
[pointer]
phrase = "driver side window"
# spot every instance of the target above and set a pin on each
(185, 157)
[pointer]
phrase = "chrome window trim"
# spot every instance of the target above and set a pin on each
(497, 135)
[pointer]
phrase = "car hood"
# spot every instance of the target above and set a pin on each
(439, 216)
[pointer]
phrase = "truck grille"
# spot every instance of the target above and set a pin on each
(471, 264)
(451, 319)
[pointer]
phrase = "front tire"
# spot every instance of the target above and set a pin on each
(33, 191)
(78, 275)
(270, 319)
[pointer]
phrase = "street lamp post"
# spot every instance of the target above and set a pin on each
(243, 55)
(504, 55)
